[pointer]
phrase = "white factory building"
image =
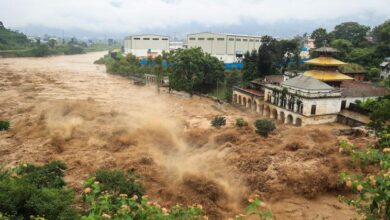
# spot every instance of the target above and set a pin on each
(227, 47)
(146, 45)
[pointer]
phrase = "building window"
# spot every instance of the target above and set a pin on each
(165, 39)
(200, 38)
(221, 39)
(251, 40)
(156, 38)
(192, 38)
(231, 39)
(145, 38)
(257, 40)
(137, 38)
(210, 38)
(238, 39)
(245, 40)
(313, 109)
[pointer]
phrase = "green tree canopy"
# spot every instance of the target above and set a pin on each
(266, 56)
(352, 31)
(320, 37)
(195, 72)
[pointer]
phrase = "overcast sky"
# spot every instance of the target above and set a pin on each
(176, 17)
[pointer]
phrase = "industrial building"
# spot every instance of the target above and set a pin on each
(146, 45)
(227, 47)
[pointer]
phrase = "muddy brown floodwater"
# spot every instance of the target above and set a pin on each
(66, 108)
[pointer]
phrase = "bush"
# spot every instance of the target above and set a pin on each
(106, 205)
(4, 125)
(373, 201)
(240, 122)
(36, 191)
(264, 127)
(117, 182)
(218, 121)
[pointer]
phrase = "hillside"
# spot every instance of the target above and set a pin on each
(12, 40)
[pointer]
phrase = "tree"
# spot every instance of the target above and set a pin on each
(195, 72)
(232, 80)
(344, 47)
(264, 127)
(352, 31)
(250, 66)
(159, 71)
(52, 43)
(381, 35)
(380, 116)
(320, 37)
(266, 56)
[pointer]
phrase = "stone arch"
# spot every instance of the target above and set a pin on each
(254, 105)
(235, 98)
(282, 116)
(239, 100)
(244, 101)
(250, 103)
(298, 122)
(274, 114)
(290, 119)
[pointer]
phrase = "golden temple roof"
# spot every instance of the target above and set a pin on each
(325, 61)
(327, 75)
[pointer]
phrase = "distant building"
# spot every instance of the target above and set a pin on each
(146, 45)
(385, 69)
(228, 48)
(355, 71)
(174, 45)
(319, 95)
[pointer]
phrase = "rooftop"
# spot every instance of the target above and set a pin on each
(306, 83)
(326, 50)
(352, 68)
(327, 75)
(228, 34)
(362, 89)
(325, 61)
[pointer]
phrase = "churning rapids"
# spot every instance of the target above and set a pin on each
(67, 108)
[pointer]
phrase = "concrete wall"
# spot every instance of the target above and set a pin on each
(139, 45)
(224, 46)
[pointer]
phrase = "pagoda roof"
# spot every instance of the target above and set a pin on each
(325, 61)
(327, 75)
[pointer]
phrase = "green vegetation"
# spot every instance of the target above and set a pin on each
(240, 122)
(372, 189)
(194, 71)
(38, 191)
(13, 40)
(218, 121)
(264, 127)
(232, 79)
(357, 44)
(117, 182)
(4, 125)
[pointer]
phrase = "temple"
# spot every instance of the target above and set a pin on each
(319, 95)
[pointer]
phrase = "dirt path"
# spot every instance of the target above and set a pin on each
(66, 108)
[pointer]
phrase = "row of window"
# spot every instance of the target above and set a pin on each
(222, 39)
(146, 38)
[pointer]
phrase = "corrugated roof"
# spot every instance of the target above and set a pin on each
(306, 83)
(384, 64)
(228, 34)
(325, 61)
(327, 75)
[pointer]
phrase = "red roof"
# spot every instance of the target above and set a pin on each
(351, 88)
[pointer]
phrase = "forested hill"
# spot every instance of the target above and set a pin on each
(11, 40)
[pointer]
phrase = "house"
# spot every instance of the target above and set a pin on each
(385, 69)
(147, 45)
(316, 96)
